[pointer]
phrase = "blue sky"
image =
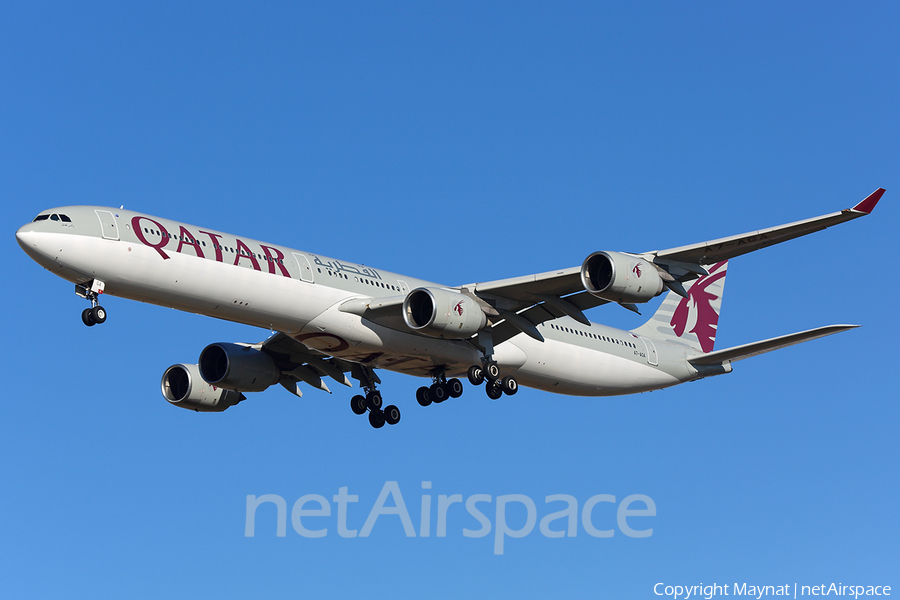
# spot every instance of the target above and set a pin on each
(456, 142)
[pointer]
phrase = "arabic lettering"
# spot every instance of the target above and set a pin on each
(338, 266)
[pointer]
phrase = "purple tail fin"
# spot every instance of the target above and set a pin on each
(692, 320)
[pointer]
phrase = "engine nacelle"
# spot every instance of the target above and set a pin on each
(236, 367)
(182, 386)
(443, 313)
(620, 277)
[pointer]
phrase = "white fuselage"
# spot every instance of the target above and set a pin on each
(208, 272)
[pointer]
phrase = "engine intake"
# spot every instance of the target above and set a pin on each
(443, 313)
(236, 367)
(620, 277)
(182, 386)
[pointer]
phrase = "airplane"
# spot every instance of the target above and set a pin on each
(331, 318)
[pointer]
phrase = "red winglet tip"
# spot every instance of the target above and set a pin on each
(868, 205)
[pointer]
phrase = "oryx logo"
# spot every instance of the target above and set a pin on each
(698, 310)
(637, 269)
(458, 309)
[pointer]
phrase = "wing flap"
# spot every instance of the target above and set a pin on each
(523, 295)
(299, 363)
(545, 311)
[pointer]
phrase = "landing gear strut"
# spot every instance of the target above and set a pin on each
(372, 401)
(91, 291)
(489, 372)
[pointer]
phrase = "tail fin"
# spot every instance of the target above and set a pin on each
(692, 320)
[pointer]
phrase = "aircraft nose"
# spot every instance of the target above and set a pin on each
(29, 239)
(26, 235)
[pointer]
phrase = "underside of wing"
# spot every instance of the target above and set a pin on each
(300, 364)
(512, 324)
(384, 311)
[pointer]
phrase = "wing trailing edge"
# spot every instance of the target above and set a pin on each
(736, 245)
(553, 294)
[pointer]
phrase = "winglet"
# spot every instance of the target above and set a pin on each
(868, 205)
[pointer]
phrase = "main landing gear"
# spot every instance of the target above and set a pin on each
(372, 402)
(440, 390)
(444, 388)
(495, 386)
(91, 291)
(489, 373)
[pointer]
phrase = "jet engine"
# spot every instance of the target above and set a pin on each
(182, 386)
(443, 313)
(622, 278)
(236, 367)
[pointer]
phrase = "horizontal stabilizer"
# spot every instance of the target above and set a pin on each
(747, 350)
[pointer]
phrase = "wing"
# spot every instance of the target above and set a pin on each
(706, 253)
(300, 364)
(521, 303)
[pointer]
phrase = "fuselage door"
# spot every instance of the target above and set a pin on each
(107, 225)
(652, 356)
(306, 273)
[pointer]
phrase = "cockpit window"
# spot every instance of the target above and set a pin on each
(54, 217)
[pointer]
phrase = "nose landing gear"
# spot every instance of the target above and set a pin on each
(93, 316)
(91, 291)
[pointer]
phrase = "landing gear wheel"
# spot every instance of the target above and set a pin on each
(358, 404)
(374, 401)
(509, 386)
(423, 396)
(455, 388)
(391, 415)
(494, 390)
(376, 419)
(87, 318)
(492, 372)
(439, 392)
(98, 314)
(476, 375)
